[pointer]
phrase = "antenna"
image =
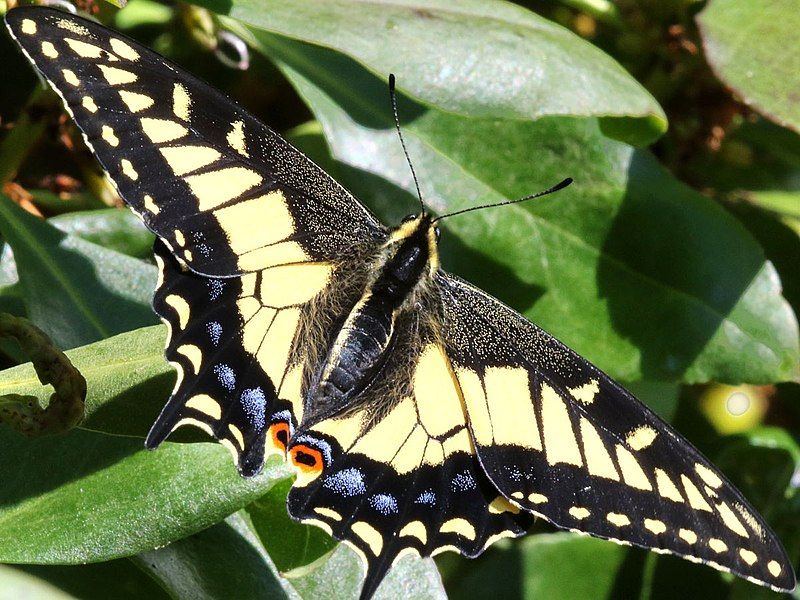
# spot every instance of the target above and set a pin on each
(559, 186)
(393, 98)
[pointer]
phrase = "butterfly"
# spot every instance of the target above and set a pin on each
(421, 415)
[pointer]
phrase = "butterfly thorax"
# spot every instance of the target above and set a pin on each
(366, 338)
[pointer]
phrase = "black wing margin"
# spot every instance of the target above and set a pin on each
(562, 440)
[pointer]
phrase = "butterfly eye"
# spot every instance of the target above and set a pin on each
(410, 217)
(437, 232)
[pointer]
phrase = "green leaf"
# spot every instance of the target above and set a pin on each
(76, 291)
(128, 381)
(93, 581)
(90, 496)
(96, 495)
(552, 566)
(113, 228)
(290, 544)
(220, 562)
(524, 66)
(341, 575)
(16, 584)
(629, 267)
(752, 47)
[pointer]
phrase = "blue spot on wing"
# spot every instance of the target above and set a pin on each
(347, 482)
(254, 402)
(384, 503)
(226, 376)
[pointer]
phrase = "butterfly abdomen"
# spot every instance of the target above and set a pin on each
(362, 344)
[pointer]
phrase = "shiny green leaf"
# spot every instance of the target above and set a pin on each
(752, 46)
(480, 58)
(76, 291)
(113, 228)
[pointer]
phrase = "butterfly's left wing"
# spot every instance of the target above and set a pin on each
(562, 440)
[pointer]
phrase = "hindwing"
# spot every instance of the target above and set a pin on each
(409, 483)
(562, 440)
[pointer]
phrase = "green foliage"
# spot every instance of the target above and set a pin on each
(666, 266)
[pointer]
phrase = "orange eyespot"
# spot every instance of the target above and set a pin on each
(306, 459)
(279, 434)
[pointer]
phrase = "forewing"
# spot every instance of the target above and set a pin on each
(223, 191)
(561, 439)
(409, 483)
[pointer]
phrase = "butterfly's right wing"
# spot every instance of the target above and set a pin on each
(224, 192)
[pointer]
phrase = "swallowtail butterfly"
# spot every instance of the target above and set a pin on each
(421, 414)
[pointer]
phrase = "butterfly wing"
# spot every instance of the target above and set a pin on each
(562, 440)
(258, 247)
(407, 482)
(224, 192)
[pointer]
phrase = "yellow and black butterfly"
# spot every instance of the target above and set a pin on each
(421, 414)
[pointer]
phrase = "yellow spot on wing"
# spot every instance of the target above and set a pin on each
(116, 76)
(109, 136)
(218, 187)
(384, 439)
(415, 529)
(83, 49)
(774, 568)
(717, 545)
(127, 169)
(585, 393)
(687, 535)
(237, 434)
(244, 224)
(193, 353)
(28, 27)
(501, 505)
(536, 498)
(748, 556)
(185, 159)
(88, 103)
(579, 512)
(150, 204)
(477, 409)
(598, 461)
(49, 50)
(708, 476)
(206, 405)
(730, 520)
(135, 101)
(328, 512)
(460, 526)
(195, 423)
(618, 519)
(181, 308)
(70, 77)
(181, 102)
(179, 239)
(236, 138)
(162, 130)
(289, 285)
(369, 534)
(559, 438)
(411, 453)
(124, 50)
(641, 437)
(696, 500)
(458, 442)
(274, 352)
(666, 487)
(654, 525)
(632, 473)
(435, 390)
(513, 419)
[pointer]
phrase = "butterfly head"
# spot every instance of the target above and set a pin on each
(418, 231)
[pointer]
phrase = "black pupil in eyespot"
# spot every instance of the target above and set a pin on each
(283, 436)
(305, 459)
